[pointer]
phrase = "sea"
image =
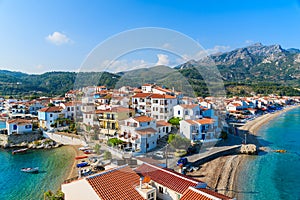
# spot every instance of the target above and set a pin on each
(274, 175)
(53, 165)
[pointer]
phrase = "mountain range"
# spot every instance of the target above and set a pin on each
(255, 69)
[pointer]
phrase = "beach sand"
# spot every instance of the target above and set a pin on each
(221, 174)
(73, 169)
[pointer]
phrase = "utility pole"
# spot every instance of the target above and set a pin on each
(166, 154)
(245, 138)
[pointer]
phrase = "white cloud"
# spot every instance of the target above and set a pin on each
(162, 59)
(39, 67)
(248, 41)
(123, 65)
(58, 38)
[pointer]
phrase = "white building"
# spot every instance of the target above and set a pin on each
(158, 106)
(140, 133)
(48, 115)
(187, 111)
(18, 126)
(200, 129)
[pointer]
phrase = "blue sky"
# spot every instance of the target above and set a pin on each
(57, 35)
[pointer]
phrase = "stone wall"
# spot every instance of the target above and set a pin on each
(63, 139)
(6, 140)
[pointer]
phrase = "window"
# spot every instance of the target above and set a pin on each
(28, 126)
(161, 189)
(186, 112)
(15, 127)
(51, 115)
(178, 112)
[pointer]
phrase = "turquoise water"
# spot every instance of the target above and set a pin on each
(2, 124)
(273, 175)
(18, 185)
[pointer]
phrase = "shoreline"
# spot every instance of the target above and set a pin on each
(224, 179)
(72, 172)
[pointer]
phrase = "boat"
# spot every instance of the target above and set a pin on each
(82, 164)
(84, 148)
(89, 151)
(19, 151)
(280, 151)
(80, 157)
(30, 170)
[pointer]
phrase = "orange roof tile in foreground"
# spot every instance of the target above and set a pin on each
(202, 194)
(169, 178)
(146, 131)
(118, 183)
(205, 121)
(143, 119)
(215, 194)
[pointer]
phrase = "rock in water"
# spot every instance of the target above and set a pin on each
(249, 149)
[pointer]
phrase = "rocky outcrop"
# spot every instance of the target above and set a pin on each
(249, 149)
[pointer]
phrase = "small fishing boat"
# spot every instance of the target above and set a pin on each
(80, 157)
(280, 151)
(88, 151)
(30, 170)
(19, 151)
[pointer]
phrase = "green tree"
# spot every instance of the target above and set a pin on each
(97, 148)
(107, 155)
(174, 121)
(178, 142)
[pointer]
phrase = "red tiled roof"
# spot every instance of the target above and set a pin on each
(141, 95)
(163, 89)
(205, 121)
(202, 194)
(147, 84)
(51, 109)
(162, 123)
(19, 121)
(162, 96)
(118, 183)
(215, 194)
(194, 194)
(170, 179)
(146, 131)
(191, 121)
(143, 119)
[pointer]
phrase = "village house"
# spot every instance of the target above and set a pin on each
(33, 106)
(157, 106)
(187, 111)
(109, 118)
(146, 182)
(18, 126)
(48, 115)
(140, 133)
(199, 130)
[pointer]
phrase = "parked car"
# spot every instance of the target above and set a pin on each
(128, 150)
(182, 161)
(159, 154)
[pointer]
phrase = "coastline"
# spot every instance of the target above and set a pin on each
(224, 179)
(72, 172)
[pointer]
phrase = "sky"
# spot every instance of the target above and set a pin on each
(59, 35)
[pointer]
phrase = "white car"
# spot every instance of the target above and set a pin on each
(128, 149)
(159, 154)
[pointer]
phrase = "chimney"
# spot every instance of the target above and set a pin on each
(141, 182)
